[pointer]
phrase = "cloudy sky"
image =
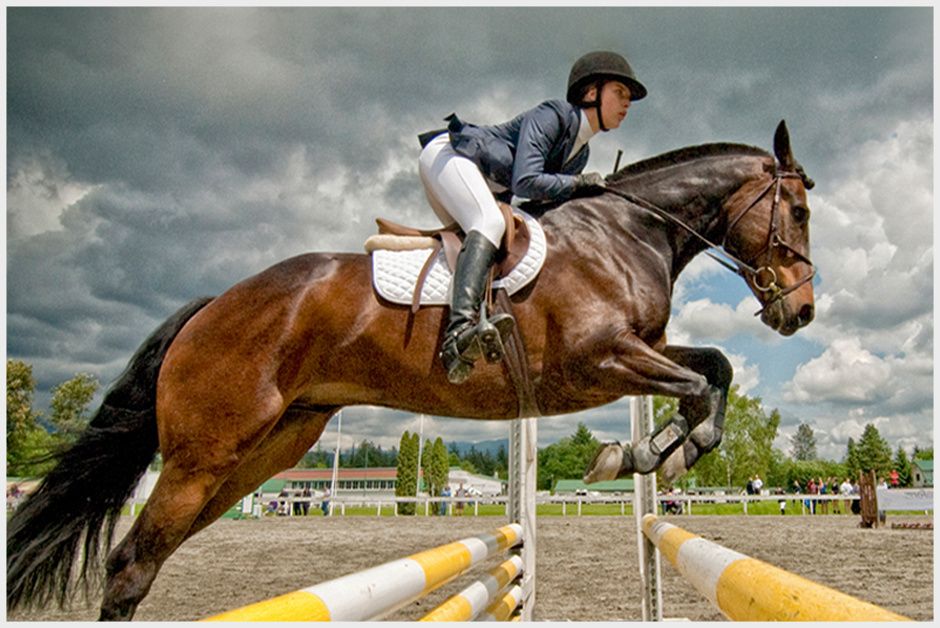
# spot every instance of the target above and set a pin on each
(158, 155)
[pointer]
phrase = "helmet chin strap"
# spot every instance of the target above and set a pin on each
(596, 103)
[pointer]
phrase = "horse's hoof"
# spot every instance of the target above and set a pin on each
(675, 466)
(606, 463)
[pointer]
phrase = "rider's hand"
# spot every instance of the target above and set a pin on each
(589, 182)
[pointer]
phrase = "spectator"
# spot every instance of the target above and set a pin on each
(813, 489)
(442, 508)
(671, 506)
(758, 485)
(783, 506)
(823, 489)
(833, 485)
(325, 502)
(749, 489)
(856, 503)
(14, 496)
(845, 489)
(796, 489)
(458, 506)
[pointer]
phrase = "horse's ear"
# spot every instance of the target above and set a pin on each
(782, 147)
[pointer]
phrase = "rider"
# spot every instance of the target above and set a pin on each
(538, 155)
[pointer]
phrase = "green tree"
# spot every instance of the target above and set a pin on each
(28, 445)
(434, 461)
(804, 443)
(664, 408)
(368, 454)
(566, 459)
(407, 482)
(317, 459)
(502, 463)
(853, 461)
(483, 462)
(21, 420)
(746, 446)
(69, 407)
(800, 471)
(903, 466)
(874, 452)
(922, 454)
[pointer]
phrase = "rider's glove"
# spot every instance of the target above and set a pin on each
(589, 183)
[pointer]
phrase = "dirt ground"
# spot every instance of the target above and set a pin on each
(585, 572)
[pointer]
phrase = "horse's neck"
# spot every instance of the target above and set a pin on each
(696, 194)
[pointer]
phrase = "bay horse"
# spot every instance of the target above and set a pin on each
(233, 389)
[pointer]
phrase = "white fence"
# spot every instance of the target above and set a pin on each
(572, 505)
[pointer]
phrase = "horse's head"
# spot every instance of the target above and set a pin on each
(768, 228)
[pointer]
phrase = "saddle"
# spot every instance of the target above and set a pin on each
(515, 244)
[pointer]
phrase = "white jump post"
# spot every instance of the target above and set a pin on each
(523, 464)
(644, 502)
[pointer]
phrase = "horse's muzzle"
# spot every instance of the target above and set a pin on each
(784, 320)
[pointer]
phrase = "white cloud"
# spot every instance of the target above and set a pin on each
(873, 233)
(703, 320)
(845, 372)
(746, 376)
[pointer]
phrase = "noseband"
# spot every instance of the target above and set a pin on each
(763, 277)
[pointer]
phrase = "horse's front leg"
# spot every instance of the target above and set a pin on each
(699, 377)
(705, 414)
(626, 365)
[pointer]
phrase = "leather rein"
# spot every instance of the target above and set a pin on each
(763, 277)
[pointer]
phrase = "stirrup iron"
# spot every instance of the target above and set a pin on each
(493, 334)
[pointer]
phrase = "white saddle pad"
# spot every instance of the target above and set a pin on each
(395, 273)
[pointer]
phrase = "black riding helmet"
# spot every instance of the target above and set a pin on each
(597, 68)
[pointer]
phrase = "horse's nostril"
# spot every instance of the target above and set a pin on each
(807, 312)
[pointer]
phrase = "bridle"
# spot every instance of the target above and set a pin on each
(762, 277)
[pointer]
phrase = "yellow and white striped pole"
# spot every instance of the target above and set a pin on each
(469, 603)
(374, 593)
(501, 609)
(747, 589)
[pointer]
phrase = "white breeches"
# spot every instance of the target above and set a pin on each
(458, 191)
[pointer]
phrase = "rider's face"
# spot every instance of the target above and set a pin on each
(615, 101)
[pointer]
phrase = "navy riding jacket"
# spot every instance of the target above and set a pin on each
(527, 154)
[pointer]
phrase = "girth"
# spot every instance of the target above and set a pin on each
(516, 363)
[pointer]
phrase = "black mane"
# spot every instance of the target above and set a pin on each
(682, 155)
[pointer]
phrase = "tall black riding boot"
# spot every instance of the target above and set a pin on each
(469, 333)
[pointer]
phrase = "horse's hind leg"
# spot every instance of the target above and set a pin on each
(200, 451)
(293, 436)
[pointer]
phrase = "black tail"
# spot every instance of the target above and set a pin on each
(90, 483)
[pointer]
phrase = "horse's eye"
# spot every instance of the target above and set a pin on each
(800, 213)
